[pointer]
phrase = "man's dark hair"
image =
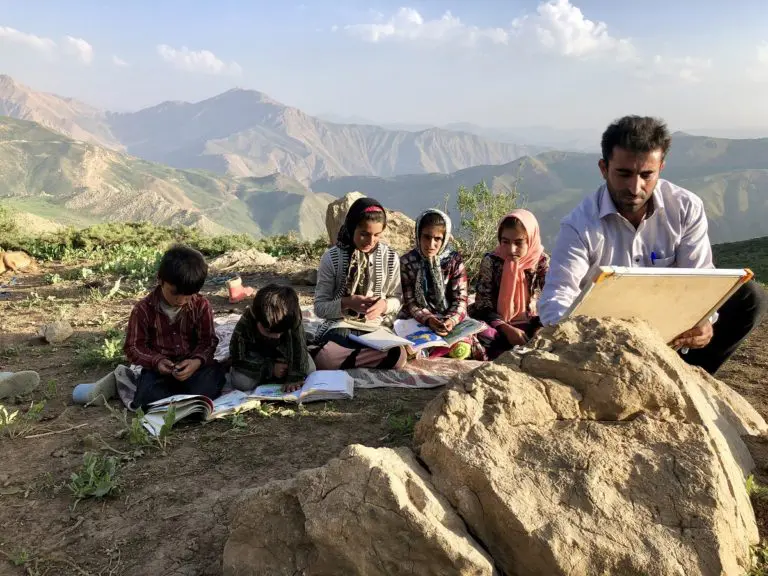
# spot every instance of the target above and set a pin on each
(184, 268)
(277, 308)
(431, 219)
(637, 134)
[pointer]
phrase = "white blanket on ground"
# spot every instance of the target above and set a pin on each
(416, 374)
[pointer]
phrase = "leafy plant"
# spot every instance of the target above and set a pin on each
(759, 565)
(165, 431)
(480, 210)
(52, 278)
(110, 351)
(237, 421)
(96, 479)
(15, 424)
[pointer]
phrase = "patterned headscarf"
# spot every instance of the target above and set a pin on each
(514, 292)
(357, 273)
(430, 284)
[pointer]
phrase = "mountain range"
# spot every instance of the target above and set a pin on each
(731, 176)
(247, 133)
(243, 162)
(67, 181)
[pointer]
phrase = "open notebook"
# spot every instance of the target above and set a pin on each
(318, 386)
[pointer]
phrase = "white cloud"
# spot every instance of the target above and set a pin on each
(759, 71)
(560, 27)
(79, 48)
(409, 24)
(688, 69)
(119, 62)
(30, 40)
(202, 61)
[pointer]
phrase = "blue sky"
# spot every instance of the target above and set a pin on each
(498, 63)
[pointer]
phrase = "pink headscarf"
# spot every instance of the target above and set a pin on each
(514, 292)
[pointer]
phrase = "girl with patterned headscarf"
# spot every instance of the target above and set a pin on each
(434, 279)
(358, 281)
(509, 284)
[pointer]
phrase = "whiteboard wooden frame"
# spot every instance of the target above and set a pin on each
(658, 295)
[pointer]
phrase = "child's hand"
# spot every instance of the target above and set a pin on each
(357, 303)
(376, 310)
(437, 326)
(449, 325)
(289, 387)
(186, 368)
(165, 366)
(514, 336)
(280, 370)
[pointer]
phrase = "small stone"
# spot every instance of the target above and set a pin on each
(56, 332)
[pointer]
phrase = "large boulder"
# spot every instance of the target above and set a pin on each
(399, 234)
(370, 511)
(601, 453)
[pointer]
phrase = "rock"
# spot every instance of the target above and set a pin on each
(15, 261)
(604, 454)
(399, 234)
(371, 511)
(305, 278)
(242, 259)
(56, 332)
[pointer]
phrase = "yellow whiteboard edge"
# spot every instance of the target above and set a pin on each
(604, 275)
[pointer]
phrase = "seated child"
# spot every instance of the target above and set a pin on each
(358, 279)
(435, 284)
(509, 284)
(268, 345)
(171, 333)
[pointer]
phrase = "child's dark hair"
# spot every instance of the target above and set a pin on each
(371, 214)
(277, 308)
(184, 268)
(433, 219)
(513, 223)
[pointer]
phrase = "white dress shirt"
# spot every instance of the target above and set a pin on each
(594, 234)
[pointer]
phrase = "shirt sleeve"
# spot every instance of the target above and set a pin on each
(694, 250)
(299, 366)
(327, 306)
(394, 289)
(458, 291)
(568, 266)
(246, 358)
(408, 282)
(207, 341)
(137, 340)
(485, 307)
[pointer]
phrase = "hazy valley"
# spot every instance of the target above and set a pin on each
(244, 162)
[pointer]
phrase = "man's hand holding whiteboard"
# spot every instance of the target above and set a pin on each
(678, 302)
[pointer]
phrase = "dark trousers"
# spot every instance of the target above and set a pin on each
(152, 386)
(737, 318)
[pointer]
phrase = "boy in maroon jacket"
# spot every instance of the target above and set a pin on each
(171, 333)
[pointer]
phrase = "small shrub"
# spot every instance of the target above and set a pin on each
(15, 424)
(480, 210)
(108, 352)
(52, 279)
(96, 479)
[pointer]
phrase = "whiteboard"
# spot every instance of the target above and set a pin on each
(672, 300)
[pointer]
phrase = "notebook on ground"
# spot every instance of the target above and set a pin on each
(672, 300)
(319, 386)
(381, 339)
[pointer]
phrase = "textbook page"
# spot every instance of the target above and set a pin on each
(382, 339)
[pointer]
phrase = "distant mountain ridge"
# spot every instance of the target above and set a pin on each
(66, 181)
(247, 133)
(731, 177)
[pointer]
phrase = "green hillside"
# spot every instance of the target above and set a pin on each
(731, 177)
(752, 254)
(75, 183)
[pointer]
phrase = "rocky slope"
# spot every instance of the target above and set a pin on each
(731, 177)
(67, 181)
(247, 133)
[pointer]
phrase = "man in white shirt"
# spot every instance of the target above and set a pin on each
(638, 219)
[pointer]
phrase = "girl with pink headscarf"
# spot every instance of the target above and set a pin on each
(509, 284)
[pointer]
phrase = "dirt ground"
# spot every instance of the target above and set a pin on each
(170, 516)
